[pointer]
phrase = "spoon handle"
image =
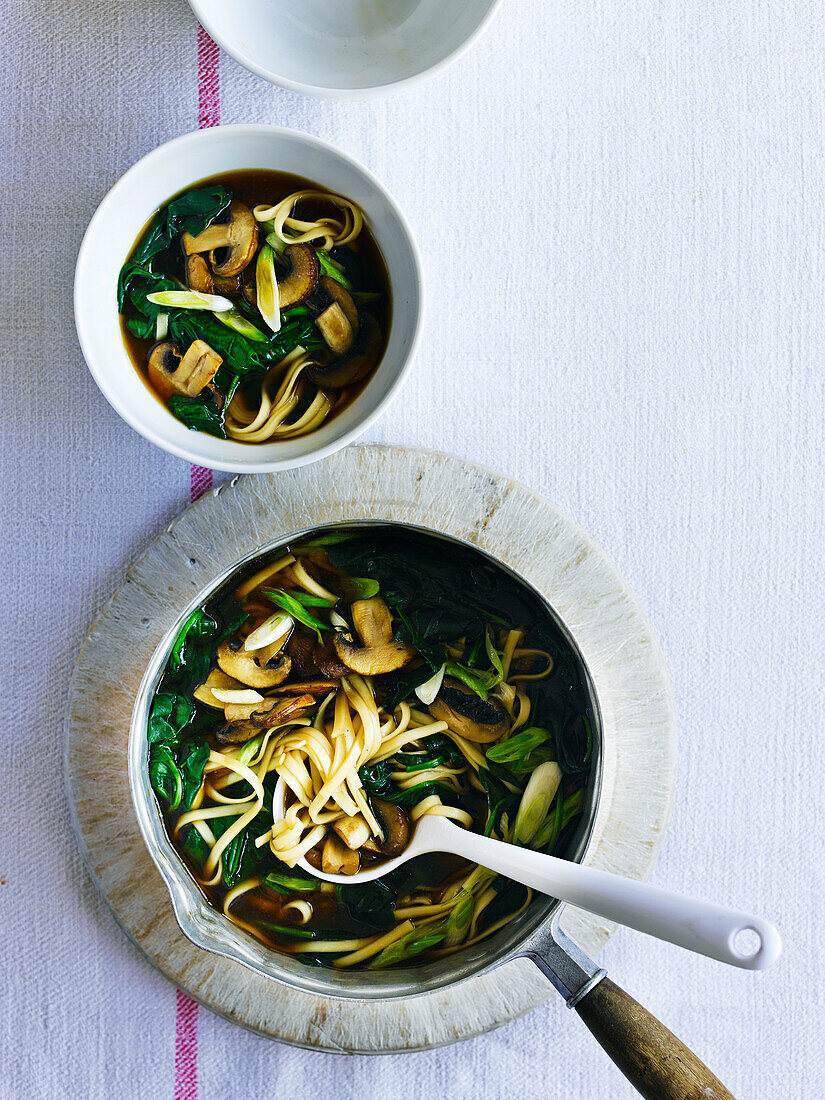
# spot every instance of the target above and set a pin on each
(700, 926)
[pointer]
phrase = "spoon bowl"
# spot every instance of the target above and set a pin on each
(705, 927)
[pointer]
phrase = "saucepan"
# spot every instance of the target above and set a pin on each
(650, 1056)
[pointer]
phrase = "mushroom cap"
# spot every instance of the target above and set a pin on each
(198, 275)
(297, 283)
(246, 667)
(473, 718)
(231, 242)
(359, 361)
(372, 660)
(328, 292)
(396, 826)
(162, 363)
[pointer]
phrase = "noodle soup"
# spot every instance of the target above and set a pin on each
(382, 677)
(255, 305)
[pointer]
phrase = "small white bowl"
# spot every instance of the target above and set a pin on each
(344, 48)
(151, 183)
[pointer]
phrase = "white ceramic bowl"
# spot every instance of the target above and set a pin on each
(344, 48)
(152, 182)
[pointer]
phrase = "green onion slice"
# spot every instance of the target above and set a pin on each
(267, 286)
(189, 299)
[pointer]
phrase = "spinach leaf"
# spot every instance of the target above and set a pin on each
(190, 212)
(233, 855)
(199, 414)
(191, 655)
(500, 800)
(376, 777)
(510, 897)
(169, 715)
(164, 775)
(402, 684)
(370, 903)
(229, 615)
(239, 354)
(134, 283)
(575, 745)
(413, 795)
(358, 588)
(438, 749)
(191, 771)
(195, 847)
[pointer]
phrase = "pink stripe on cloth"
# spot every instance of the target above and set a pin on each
(209, 81)
(200, 482)
(186, 1048)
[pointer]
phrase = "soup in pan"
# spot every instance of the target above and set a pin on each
(256, 306)
(383, 676)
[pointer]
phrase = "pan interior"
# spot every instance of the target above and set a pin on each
(211, 930)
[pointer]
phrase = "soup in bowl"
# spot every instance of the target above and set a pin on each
(379, 674)
(248, 298)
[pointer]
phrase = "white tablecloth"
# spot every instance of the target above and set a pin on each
(621, 209)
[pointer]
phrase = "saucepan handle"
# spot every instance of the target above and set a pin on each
(655, 1062)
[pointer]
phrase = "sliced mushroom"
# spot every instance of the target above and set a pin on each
(396, 825)
(268, 712)
(231, 243)
(466, 714)
(299, 280)
(372, 660)
(373, 621)
(236, 733)
(337, 858)
(337, 319)
(327, 662)
(308, 687)
(198, 275)
(362, 358)
(246, 667)
(334, 326)
(354, 831)
(170, 374)
(216, 679)
(229, 286)
(330, 292)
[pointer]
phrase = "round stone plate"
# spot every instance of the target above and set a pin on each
(433, 490)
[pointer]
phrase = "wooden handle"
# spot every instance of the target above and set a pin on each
(651, 1057)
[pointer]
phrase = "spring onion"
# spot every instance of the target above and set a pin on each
(536, 801)
(235, 320)
(267, 287)
(189, 299)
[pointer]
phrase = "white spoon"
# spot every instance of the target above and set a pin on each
(700, 926)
